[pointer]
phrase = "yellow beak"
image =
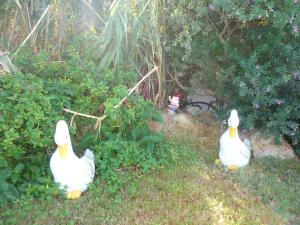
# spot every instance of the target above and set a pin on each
(63, 150)
(232, 132)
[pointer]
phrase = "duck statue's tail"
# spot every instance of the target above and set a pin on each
(88, 159)
(89, 154)
(247, 143)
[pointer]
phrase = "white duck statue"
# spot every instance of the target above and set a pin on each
(72, 173)
(233, 152)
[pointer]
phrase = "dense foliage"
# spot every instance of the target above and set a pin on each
(31, 105)
(246, 51)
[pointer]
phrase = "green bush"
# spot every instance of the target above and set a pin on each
(27, 122)
(246, 51)
(31, 105)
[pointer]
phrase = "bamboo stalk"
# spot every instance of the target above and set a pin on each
(28, 17)
(13, 29)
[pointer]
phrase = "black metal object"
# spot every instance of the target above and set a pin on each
(184, 103)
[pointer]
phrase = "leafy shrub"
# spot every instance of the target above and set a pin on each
(117, 156)
(31, 105)
(26, 126)
(247, 52)
(8, 192)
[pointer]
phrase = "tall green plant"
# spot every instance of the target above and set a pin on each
(132, 36)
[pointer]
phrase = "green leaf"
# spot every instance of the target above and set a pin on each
(18, 168)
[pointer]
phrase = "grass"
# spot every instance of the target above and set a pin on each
(193, 190)
(276, 183)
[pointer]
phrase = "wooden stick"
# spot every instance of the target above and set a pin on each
(81, 114)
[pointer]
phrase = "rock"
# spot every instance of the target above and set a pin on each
(172, 122)
(266, 146)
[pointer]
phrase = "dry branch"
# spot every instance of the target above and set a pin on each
(80, 114)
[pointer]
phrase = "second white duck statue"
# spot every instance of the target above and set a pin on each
(70, 172)
(233, 152)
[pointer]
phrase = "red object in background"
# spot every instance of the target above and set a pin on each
(180, 95)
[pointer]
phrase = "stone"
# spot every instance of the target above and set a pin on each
(266, 146)
(172, 122)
